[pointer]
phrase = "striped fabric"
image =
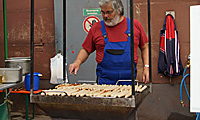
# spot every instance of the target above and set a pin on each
(169, 62)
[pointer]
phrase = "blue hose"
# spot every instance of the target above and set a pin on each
(198, 116)
(186, 87)
(183, 82)
(184, 71)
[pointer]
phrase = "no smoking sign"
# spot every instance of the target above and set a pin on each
(88, 22)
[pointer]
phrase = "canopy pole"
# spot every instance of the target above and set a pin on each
(5, 37)
(149, 32)
(64, 40)
(5, 29)
(32, 44)
(132, 47)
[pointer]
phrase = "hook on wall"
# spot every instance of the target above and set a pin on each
(171, 12)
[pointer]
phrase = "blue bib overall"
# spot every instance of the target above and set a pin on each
(116, 63)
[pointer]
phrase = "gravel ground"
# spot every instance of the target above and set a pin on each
(21, 116)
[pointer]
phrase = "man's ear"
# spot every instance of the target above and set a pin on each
(118, 12)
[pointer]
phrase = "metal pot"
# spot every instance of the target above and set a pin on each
(23, 62)
(12, 75)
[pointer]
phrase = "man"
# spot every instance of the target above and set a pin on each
(111, 40)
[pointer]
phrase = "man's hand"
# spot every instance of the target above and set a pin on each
(73, 68)
(82, 57)
(145, 75)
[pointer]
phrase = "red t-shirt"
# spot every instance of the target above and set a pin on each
(95, 40)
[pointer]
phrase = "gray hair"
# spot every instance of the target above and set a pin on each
(116, 5)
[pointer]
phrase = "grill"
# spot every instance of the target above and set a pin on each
(90, 108)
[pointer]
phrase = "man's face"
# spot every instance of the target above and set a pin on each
(110, 16)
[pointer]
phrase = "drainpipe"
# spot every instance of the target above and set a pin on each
(5, 30)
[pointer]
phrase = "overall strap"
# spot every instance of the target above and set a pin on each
(103, 29)
(128, 31)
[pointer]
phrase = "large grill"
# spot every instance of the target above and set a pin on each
(90, 108)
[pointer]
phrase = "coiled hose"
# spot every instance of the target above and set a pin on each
(181, 99)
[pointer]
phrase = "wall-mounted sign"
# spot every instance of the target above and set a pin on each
(88, 22)
(94, 11)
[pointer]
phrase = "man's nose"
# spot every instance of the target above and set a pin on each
(105, 15)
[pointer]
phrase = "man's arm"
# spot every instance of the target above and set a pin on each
(145, 59)
(81, 57)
